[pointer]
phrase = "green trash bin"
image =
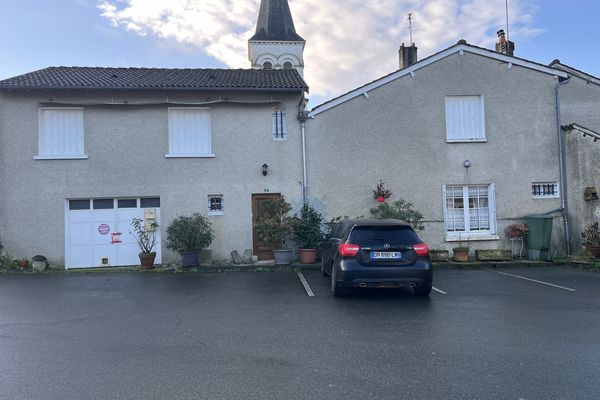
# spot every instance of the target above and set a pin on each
(539, 236)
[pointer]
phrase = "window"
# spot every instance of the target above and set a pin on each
(103, 204)
(267, 65)
(287, 65)
(469, 211)
(545, 190)
(465, 119)
(189, 132)
(215, 204)
(61, 133)
(279, 125)
(127, 203)
(79, 205)
(150, 202)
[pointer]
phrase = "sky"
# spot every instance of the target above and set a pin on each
(349, 42)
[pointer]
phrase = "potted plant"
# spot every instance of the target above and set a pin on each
(381, 193)
(591, 239)
(516, 230)
(145, 236)
(460, 254)
(307, 232)
(189, 235)
(275, 229)
(23, 263)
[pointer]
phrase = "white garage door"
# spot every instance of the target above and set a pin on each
(98, 231)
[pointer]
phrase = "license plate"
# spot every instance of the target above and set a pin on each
(386, 255)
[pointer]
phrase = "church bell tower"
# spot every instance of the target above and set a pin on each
(275, 44)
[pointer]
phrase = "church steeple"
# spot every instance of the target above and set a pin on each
(275, 44)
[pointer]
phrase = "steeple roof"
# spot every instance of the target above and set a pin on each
(275, 22)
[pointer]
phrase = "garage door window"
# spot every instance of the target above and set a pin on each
(128, 203)
(104, 204)
(79, 205)
(150, 202)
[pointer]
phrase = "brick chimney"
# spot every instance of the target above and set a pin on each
(504, 46)
(408, 55)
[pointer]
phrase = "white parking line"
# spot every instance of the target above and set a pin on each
(438, 290)
(536, 281)
(306, 285)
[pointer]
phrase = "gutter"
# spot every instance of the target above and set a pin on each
(302, 117)
(563, 168)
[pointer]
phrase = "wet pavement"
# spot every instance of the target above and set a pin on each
(260, 336)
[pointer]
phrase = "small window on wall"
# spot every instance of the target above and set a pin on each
(279, 125)
(545, 190)
(215, 204)
(465, 119)
(61, 134)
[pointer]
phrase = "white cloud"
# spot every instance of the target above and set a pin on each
(349, 42)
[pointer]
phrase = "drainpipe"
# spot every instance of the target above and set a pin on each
(303, 116)
(563, 168)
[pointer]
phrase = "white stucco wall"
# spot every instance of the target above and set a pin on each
(398, 135)
(126, 147)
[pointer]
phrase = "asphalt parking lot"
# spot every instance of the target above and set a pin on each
(518, 333)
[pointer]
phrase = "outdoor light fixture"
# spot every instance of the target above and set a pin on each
(467, 164)
(265, 169)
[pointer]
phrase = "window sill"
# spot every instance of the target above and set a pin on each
(546, 198)
(466, 140)
(470, 237)
(189, 156)
(82, 157)
(280, 140)
(215, 213)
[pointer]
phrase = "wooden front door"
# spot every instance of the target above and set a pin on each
(264, 251)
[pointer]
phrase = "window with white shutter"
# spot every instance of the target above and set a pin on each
(465, 119)
(189, 132)
(61, 134)
(469, 210)
(279, 125)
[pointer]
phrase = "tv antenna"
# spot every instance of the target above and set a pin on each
(411, 26)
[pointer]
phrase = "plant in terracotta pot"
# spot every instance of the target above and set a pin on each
(460, 254)
(516, 230)
(307, 232)
(275, 229)
(23, 263)
(189, 235)
(145, 236)
(591, 239)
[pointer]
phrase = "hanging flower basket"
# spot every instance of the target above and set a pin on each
(381, 193)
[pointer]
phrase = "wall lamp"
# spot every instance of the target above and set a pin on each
(265, 169)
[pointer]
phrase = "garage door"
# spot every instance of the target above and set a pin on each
(98, 231)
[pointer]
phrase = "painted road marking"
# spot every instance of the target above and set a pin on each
(536, 281)
(306, 285)
(438, 290)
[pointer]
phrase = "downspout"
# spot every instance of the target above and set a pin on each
(303, 116)
(563, 168)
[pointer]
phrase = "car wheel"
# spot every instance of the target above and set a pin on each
(336, 290)
(423, 290)
(323, 271)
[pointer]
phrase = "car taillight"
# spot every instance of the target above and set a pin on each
(421, 249)
(348, 249)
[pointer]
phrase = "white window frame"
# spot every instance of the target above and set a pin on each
(215, 212)
(479, 139)
(467, 234)
(284, 125)
(42, 139)
(171, 154)
(556, 195)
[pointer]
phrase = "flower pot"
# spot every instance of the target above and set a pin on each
(23, 264)
(282, 257)
(147, 260)
(460, 255)
(594, 251)
(189, 258)
(381, 199)
(307, 256)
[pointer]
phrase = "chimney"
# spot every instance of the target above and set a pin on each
(504, 46)
(408, 55)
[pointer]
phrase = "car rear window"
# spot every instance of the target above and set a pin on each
(390, 234)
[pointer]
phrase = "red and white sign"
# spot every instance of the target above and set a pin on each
(116, 237)
(103, 229)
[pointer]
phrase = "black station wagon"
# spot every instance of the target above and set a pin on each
(376, 253)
